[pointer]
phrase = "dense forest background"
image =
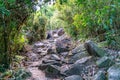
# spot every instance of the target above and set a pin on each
(25, 22)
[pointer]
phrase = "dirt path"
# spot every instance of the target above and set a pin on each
(35, 54)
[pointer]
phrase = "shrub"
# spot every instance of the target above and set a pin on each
(91, 18)
(12, 15)
(36, 27)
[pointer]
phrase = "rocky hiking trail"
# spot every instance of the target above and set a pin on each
(59, 58)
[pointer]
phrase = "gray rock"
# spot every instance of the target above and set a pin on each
(49, 35)
(93, 49)
(100, 76)
(78, 49)
(53, 69)
(38, 45)
(55, 57)
(78, 56)
(55, 36)
(32, 56)
(64, 54)
(51, 50)
(54, 32)
(75, 69)
(73, 77)
(51, 62)
(38, 50)
(60, 32)
(114, 72)
(43, 66)
(47, 63)
(104, 62)
(64, 68)
(83, 60)
(43, 53)
(63, 45)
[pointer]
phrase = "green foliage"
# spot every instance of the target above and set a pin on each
(91, 18)
(13, 14)
(37, 27)
(18, 74)
(54, 22)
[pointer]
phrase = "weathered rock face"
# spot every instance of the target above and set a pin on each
(104, 62)
(73, 77)
(100, 76)
(93, 49)
(114, 72)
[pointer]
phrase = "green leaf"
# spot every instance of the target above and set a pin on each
(106, 27)
(4, 11)
(111, 21)
(11, 1)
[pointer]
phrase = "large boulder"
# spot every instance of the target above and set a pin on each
(63, 45)
(49, 35)
(114, 72)
(78, 49)
(78, 56)
(53, 70)
(73, 77)
(46, 63)
(83, 60)
(100, 76)
(60, 32)
(93, 49)
(104, 62)
(75, 69)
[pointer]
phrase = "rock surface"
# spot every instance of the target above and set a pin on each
(75, 69)
(73, 77)
(78, 56)
(104, 62)
(60, 32)
(63, 45)
(100, 76)
(93, 49)
(114, 72)
(78, 49)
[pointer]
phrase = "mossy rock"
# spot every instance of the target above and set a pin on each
(104, 62)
